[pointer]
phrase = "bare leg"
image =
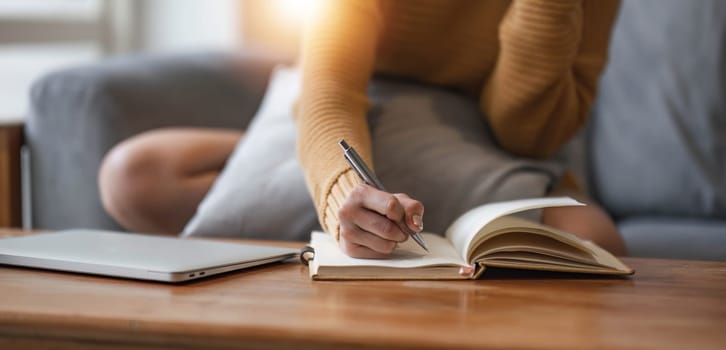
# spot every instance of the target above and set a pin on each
(153, 182)
(589, 222)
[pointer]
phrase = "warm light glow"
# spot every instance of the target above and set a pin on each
(296, 10)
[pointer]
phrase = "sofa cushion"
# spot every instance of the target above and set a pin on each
(260, 193)
(675, 238)
(658, 134)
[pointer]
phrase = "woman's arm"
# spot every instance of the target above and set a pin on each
(551, 55)
(338, 53)
(339, 48)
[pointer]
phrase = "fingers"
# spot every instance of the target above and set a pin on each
(356, 217)
(372, 222)
(378, 201)
(413, 210)
(379, 225)
(352, 239)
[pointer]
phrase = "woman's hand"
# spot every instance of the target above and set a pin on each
(371, 221)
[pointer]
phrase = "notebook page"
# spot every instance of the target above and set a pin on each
(407, 255)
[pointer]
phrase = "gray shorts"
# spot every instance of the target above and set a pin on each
(428, 142)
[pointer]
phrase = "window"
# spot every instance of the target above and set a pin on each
(37, 36)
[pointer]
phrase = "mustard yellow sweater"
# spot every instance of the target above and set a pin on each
(533, 65)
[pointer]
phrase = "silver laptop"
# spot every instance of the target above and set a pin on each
(137, 256)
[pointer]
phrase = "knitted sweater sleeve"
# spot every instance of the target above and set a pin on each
(551, 55)
(338, 55)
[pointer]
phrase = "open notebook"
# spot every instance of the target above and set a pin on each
(484, 236)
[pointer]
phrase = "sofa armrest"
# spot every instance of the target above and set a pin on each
(78, 114)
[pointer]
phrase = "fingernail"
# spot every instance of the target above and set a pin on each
(466, 270)
(418, 221)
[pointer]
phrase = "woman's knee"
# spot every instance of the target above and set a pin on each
(154, 181)
(131, 176)
(590, 222)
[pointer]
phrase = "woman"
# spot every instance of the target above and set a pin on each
(531, 66)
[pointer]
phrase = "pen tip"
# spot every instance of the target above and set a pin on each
(417, 237)
(343, 144)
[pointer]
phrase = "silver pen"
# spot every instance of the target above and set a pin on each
(366, 174)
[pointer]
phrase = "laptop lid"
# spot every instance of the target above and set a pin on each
(115, 254)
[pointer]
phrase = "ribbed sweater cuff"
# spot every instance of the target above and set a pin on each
(340, 190)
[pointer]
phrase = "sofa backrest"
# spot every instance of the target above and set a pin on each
(657, 142)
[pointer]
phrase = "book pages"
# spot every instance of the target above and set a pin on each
(462, 231)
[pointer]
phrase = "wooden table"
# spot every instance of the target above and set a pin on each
(667, 304)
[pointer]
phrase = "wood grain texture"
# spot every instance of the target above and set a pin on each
(668, 304)
(11, 138)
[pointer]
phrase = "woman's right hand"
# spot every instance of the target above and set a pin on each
(371, 221)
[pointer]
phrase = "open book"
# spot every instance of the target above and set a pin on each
(484, 236)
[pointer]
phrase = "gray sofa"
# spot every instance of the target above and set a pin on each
(655, 151)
